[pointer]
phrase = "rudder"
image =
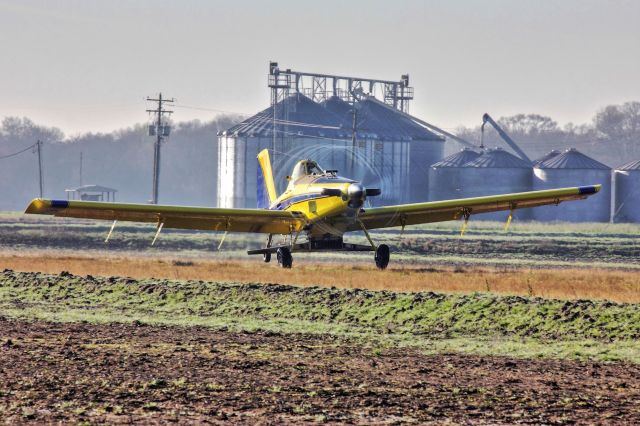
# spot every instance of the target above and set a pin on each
(266, 186)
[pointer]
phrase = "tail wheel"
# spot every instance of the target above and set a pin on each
(266, 257)
(382, 256)
(284, 257)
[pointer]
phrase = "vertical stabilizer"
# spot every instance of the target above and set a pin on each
(266, 186)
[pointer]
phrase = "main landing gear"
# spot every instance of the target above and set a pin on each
(382, 256)
(327, 244)
(285, 259)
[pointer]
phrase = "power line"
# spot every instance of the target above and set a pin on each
(19, 152)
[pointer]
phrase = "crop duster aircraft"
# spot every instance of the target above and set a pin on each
(314, 213)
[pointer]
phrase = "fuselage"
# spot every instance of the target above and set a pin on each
(328, 202)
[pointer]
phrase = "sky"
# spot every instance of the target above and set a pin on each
(88, 65)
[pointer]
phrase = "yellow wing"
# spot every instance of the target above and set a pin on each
(439, 211)
(212, 219)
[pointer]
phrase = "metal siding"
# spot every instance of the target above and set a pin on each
(481, 181)
(627, 199)
(595, 209)
(421, 155)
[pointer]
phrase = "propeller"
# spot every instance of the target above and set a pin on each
(356, 193)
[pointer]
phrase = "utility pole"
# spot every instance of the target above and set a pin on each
(40, 179)
(160, 129)
(354, 134)
(80, 168)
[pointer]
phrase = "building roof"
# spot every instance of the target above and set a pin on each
(633, 165)
(458, 159)
(498, 158)
(547, 156)
(377, 122)
(313, 119)
(91, 188)
(332, 119)
(572, 159)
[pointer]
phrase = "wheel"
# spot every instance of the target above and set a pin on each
(284, 257)
(382, 256)
(266, 257)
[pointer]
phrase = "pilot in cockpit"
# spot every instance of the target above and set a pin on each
(305, 168)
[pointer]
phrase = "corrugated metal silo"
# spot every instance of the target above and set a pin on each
(626, 180)
(391, 150)
(445, 176)
(239, 146)
(496, 172)
(572, 168)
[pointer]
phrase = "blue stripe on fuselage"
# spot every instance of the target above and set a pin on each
(296, 199)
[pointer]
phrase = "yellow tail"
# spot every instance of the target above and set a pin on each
(266, 186)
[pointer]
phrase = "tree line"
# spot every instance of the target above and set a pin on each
(123, 159)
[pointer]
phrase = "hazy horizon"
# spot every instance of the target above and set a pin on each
(88, 66)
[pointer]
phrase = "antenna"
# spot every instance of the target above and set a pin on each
(160, 129)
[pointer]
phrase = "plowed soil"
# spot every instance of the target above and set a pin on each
(121, 373)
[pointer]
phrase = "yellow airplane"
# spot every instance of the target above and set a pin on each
(318, 205)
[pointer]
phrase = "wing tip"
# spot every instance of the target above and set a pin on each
(37, 206)
(43, 206)
(590, 189)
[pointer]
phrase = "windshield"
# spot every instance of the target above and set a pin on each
(306, 168)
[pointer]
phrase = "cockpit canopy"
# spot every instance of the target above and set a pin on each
(306, 168)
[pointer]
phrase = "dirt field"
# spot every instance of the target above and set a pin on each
(596, 284)
(133, 373)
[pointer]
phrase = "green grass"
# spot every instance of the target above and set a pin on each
(478, 323)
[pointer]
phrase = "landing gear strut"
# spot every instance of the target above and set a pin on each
(266, 257)
(382, 256)
(285, 259)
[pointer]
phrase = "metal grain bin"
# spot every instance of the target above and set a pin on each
(445, 176)
(393, 152)
(626, 180)
(572, 168)
(496, 172)
(238, 147)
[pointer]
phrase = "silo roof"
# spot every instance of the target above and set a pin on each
(458, 159)
(633, 165)
(301, 110)
(338, 106)
(498, 158)
(572, 159)
(378, 122)
(546, 157)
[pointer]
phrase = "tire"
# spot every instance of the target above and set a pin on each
(285, 259)
(382, 256)
(266, 257)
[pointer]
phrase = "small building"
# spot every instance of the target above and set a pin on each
(91, 193)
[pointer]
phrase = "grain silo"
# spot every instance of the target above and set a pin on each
(316, 135)
(572, 168)
(496, 172)
(626, 180)
(391, 150)
(445, 176)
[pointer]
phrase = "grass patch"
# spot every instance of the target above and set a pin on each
(474, 323)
